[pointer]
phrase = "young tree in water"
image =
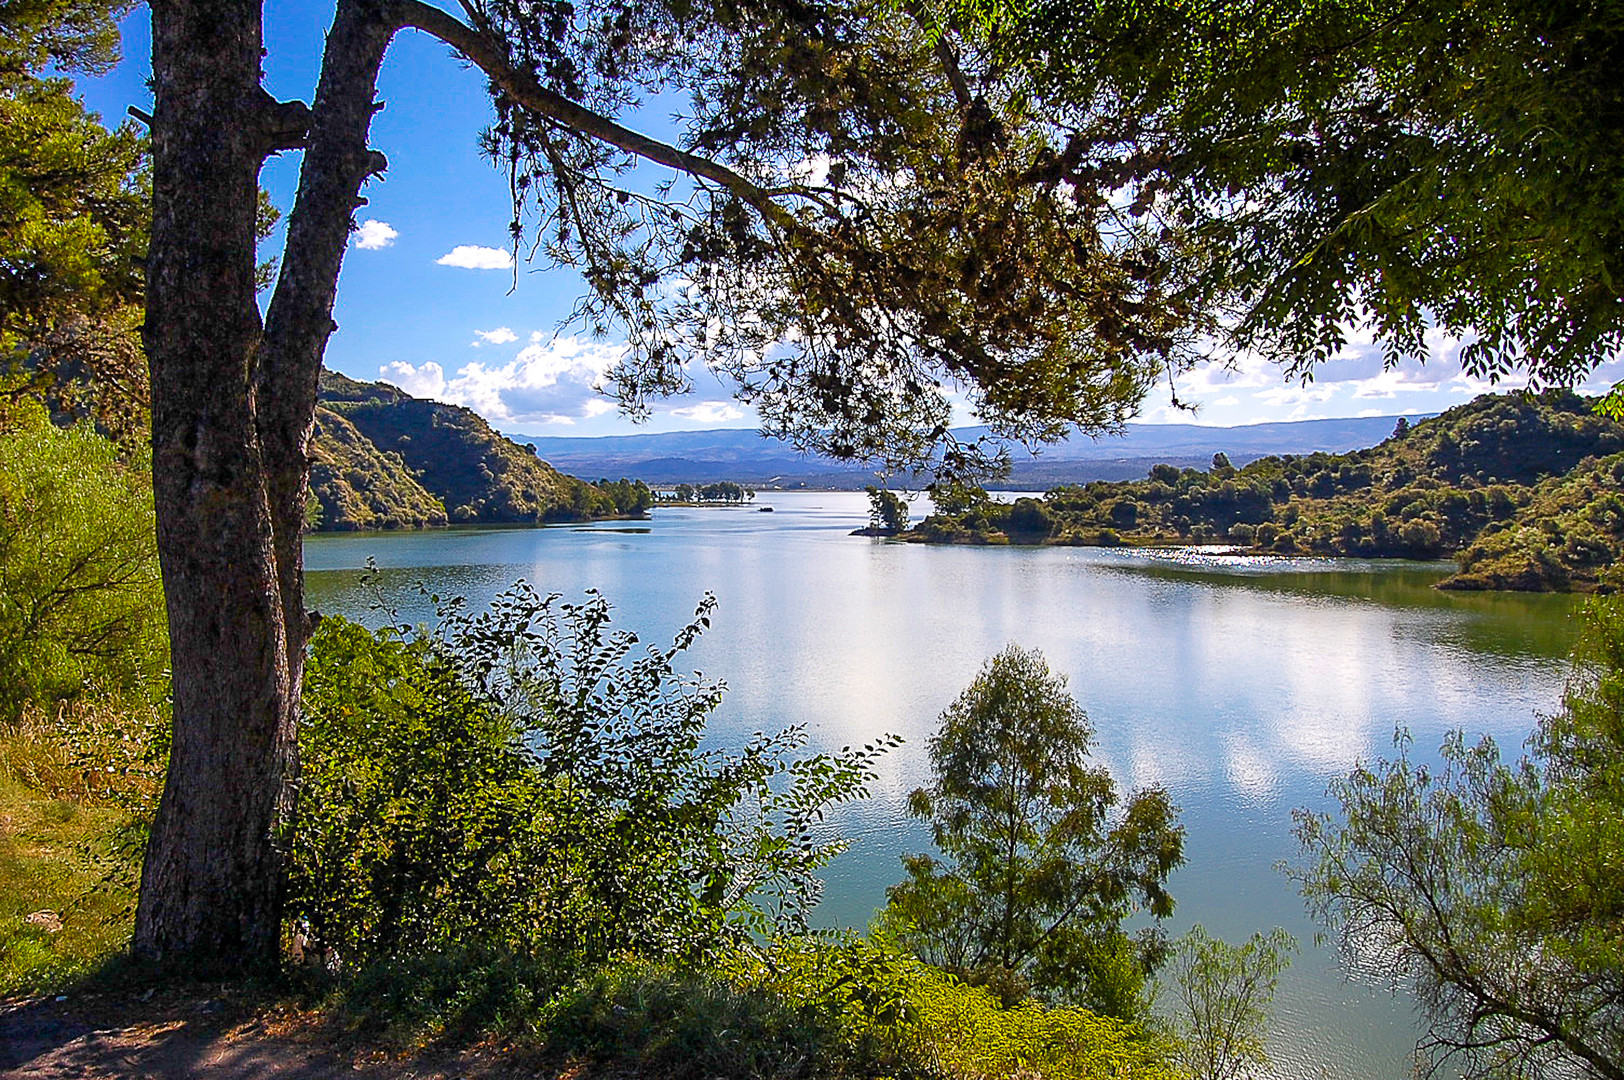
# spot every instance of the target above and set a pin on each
(1493, 887)
(858, 214)
(1040, 868)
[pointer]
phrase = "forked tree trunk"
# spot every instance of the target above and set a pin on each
(232, 413)
(210, 883)
(233, 408)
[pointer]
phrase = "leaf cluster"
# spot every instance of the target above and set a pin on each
(1398, 166)
(74, 210)
(81, 604)
(529, 779)
(1221, 996)
(900, 1016)
(887, 512)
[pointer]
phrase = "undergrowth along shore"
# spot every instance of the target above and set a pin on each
(76, 783)
(819, 1007)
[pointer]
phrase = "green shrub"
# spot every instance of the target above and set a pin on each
(81, 604)
(899, 1016)
(1040, 861)
(528, 780)
(790, 1008)
(669, 1022)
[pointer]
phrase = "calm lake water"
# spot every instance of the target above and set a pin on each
(1240, 685)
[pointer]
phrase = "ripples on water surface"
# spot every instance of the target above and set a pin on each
(1239, 683)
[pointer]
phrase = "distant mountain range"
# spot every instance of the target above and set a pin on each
(746, 456)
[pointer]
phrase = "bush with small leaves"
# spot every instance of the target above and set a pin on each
(527, 779)
(81, 607)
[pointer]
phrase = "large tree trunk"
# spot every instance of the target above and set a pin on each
(232, 413)
(233, 409)
(210, 885)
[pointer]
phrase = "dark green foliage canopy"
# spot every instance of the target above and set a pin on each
(1039, 867)
(67, 35)
(887, 510)
(1389, 164)
(1493, 886)
(1523, 491)
(73, 219)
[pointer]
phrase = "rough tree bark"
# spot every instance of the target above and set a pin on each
(211, 881)
(233, 408)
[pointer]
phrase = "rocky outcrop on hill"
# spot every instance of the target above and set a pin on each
(382, 459)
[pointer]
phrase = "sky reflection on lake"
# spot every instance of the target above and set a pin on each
(1241, 685)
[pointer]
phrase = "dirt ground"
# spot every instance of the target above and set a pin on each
(102, 1037)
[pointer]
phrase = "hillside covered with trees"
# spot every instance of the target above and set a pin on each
(1526, 492)
(382, 459)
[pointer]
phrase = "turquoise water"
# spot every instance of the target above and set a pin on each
(1241, 685)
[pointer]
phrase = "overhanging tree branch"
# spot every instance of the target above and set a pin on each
(528, 92)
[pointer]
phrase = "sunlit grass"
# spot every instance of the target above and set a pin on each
(56, 839)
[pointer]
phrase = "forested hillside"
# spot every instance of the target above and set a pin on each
(1524, 491)
(383, 459)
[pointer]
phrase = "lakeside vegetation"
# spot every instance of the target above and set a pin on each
(508, 825)
(1526, 492)
(507, 828)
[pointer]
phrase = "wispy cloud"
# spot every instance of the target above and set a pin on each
(474, 257)
(709, 412)
(373, 235)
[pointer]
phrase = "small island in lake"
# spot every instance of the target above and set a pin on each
(1526, 492)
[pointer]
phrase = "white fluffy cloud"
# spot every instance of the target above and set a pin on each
(500, 336)
(474, 257)
(554, 382)
(373, 235)
(1254, 389)
(709, 412)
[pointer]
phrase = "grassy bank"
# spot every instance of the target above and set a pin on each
(60, 919)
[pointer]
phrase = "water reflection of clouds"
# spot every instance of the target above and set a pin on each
(1250, 769)
(1240, 687)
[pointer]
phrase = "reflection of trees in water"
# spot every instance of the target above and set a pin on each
(1503, 624)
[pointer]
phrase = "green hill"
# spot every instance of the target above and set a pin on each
(384, 459)
(1524, 490)
(357, 486)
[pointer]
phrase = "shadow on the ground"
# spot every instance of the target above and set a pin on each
(182, 1037)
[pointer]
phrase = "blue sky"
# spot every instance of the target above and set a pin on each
(429, 301)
